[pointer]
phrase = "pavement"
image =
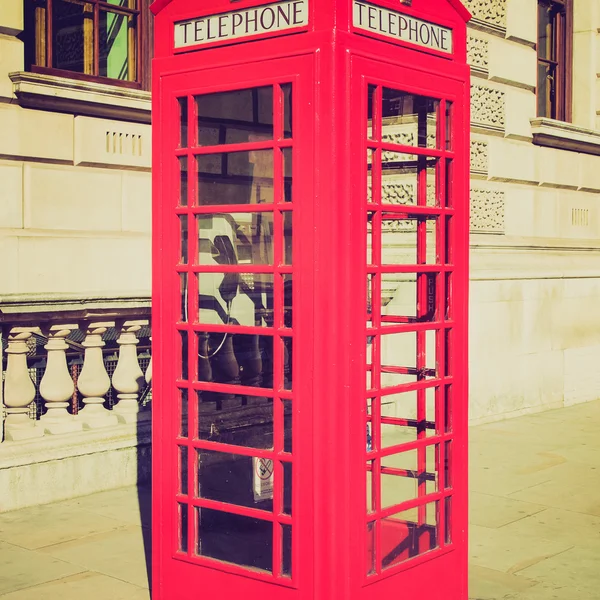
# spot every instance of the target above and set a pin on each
(535, 523)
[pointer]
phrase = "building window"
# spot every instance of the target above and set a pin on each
(93, 39)
(555, 50)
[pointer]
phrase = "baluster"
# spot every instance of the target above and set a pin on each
(149, 369)
(19, 390)
(57, 387)
(94, 382)
(128, 377)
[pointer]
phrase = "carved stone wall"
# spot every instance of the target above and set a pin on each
(488, 12)
(487, 211)
(487, 107)
(478, 53)
(479, 157)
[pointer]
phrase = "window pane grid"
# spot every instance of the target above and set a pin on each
(407, 267)
(269, 215)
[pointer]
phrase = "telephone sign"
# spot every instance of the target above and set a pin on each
(310, 273)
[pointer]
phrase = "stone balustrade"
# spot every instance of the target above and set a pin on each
(75, 374)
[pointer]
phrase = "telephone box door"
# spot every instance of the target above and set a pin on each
(411, 127)
(233, 449)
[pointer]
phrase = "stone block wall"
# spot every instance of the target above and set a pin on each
(535, 222)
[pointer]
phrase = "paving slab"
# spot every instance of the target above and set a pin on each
(489, 584)
(20, 568)
(497, 511)
(89, 586)
(120, 553)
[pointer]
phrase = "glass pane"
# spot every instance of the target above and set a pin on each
(449, 201)
(371, 95)
(236, 238)
(400, 419)
(404, 535)
(230, 478)
(409, 119)
(183, 469)
(116, 56)
(235, 178)
(448, 521)
(399, 176)
(371, 165)
(236, 299)
(184, 354)
(286, 566)
(183, 133)
(371, 505)
(448, 409)
(234, 539)
(399, 358)
(287, 425)
(408, 298)
(235, 117)
(183, 282)
(288, 219)
(287, 175)
(408, 240)
(370, 218)
(288, 363)
(183, 423)
(449, 117)
(408, 475)
(287, 488)
(448, 464)
(235, 419)
(123, 3)
(545, 21)
(73, 36)
(545, 90)
(183, 226)
(183, 182)
(287, 110)
(183, 527)
(235, 359)
(288, 297)
(371, 548)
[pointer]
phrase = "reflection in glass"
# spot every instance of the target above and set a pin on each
(235, 117)
(235, 359)
(409, 119)
(449, 117)
(288, 218)
(448, 521)
(287, 110)
(236, 299)
(400, 423)
(226, 477)
(183, 527)
(371, 548)
(72, 33)
(286, 566)
(288, 297)
(287, 488)
(403, 536)
(399, 178)
(235, 238)
(239, 420)
(407, 240)
(183, 226)
(287, 175)
(183, 469)
(370, 111)
(401, 478)
(116, 56)
(288, 362)
(234, 539)
(183, 133)
(183, 283)
(235, 178)
(287, 425)
(184, 354)
(399, 358)
(183, 423)
(183, 182)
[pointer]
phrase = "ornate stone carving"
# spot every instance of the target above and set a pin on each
(487, 107)
(487, 211)
(479, 157)
(478, 49)
(488, 12)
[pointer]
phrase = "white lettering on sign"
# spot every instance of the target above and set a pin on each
(397, 26)
(240, 24)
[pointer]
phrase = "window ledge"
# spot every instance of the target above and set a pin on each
(60, 94)
(565, 136)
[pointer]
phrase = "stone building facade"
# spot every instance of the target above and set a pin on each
(75, 217)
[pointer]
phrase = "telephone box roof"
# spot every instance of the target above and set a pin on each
(457, 5)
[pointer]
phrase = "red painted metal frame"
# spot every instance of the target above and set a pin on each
(330, 69)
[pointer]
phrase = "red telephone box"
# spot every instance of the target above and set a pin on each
(310, 299)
